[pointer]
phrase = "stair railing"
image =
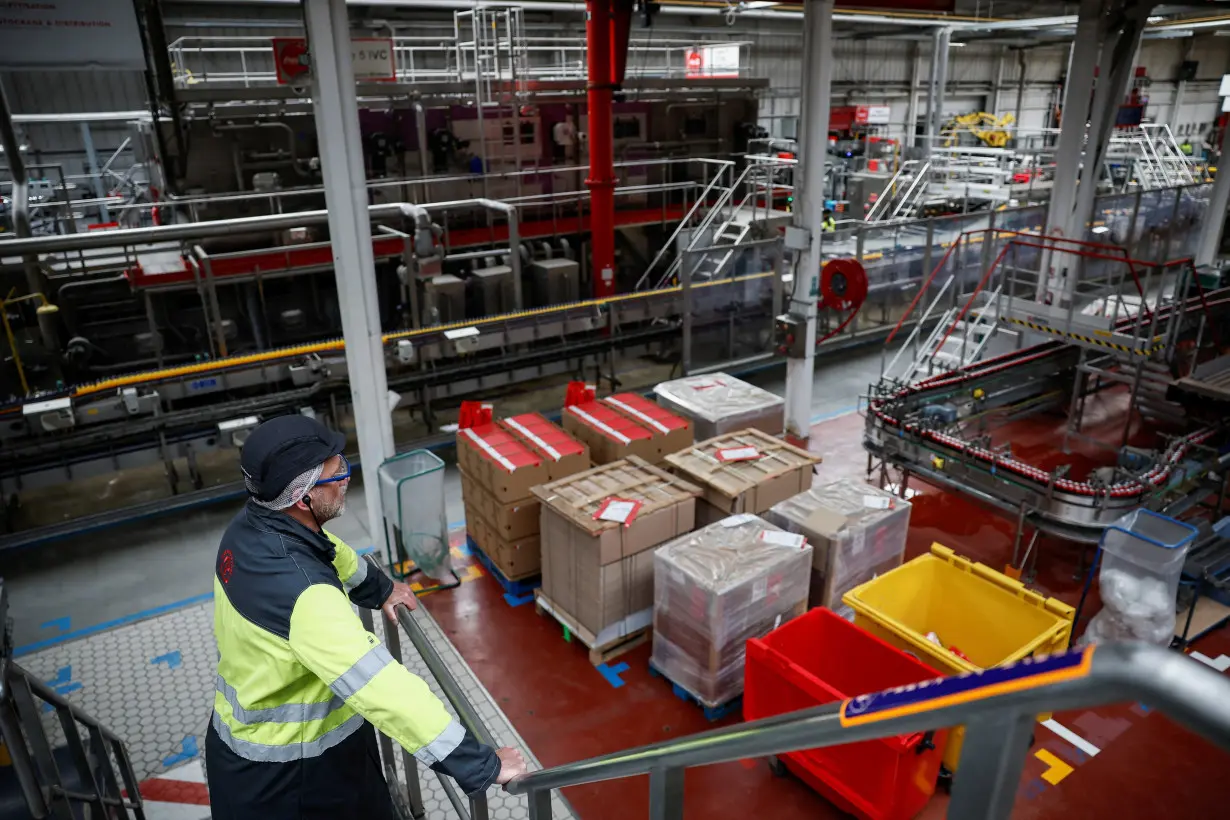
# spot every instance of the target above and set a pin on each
(50, 789)
(998, 707)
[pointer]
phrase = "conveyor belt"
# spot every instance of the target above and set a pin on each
(971, 374)
(333, 345)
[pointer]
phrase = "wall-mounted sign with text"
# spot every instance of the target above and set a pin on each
(70, 35)
(371, 57)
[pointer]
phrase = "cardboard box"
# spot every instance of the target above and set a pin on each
(671, 432)
(596, 595)
(667, 507)
(609, 434)
(561, 453)
(497, 460)
(857, 532)
(716, 588)
(776, 471)
(601, 572)
(512, 520)
(516, 558)
(718, 404)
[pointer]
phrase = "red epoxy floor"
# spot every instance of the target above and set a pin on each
(566, 710)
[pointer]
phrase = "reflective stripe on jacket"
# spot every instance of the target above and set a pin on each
(297, 672)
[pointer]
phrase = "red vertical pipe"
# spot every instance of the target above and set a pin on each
(601, 180)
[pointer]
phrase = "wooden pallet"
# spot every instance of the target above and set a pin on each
(521, 585)
(713, 711)
(598, 653)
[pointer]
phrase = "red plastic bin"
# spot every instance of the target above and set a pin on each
(821, 658)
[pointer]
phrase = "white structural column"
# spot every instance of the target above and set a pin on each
(935, 89)
(1103, 56)
(337, 128)
(809, 207)
(1082, 65)
(1215, 215)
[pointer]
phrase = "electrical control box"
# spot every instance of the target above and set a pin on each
(554, 282)
(790, 335)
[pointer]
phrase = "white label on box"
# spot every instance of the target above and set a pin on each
(760, 588)
(876, 502)
(546, 448)
(777, 621)
(859, 536)
(783, 539)
(738, 454)
(618, 511)
(652, 422)
(736, 520)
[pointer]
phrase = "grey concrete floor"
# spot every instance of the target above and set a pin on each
(82, 585)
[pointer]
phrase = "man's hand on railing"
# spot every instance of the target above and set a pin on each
(401, 594)
(512, 764)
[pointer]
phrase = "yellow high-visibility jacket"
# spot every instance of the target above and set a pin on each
(299, 679)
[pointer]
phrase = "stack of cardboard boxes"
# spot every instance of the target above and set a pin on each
(718, 404)
(857, 532)
(735, 579)
(500, 463)
(597, 566)
(744, 472)
(627, 425)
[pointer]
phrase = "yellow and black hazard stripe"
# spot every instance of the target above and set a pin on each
(1149, 350)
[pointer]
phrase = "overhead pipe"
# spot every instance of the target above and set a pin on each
(601, 179)
(420, 130)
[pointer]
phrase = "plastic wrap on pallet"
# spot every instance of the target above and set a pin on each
(857, 532)
(718, 403)
(716, 588)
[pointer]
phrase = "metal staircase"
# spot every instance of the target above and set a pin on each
(1157, 160)
(90, 776)
(954, 341)
(998, 708)
(713, 244)
(901, 196)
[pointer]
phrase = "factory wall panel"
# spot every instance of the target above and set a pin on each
(70, 92)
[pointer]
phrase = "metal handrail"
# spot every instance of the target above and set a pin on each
(37, 772)
(998, 708)
(687, 218)
(467, 715)
(721, 205)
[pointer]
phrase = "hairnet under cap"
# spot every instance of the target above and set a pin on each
(284, 450)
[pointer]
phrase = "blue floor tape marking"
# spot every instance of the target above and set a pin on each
(1033, 789)
(61, 624)
(835, 414)
(612, 673)
(188, 750)
(127, 619)
(63, 684)
(173, 660)
(518, 600)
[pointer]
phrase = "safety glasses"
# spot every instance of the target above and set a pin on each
(341, 476)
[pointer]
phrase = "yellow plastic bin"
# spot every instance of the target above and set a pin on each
(991, 618)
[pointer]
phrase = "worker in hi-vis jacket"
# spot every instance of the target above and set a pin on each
(300, 682)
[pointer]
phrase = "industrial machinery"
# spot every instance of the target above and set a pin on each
(1029, 344)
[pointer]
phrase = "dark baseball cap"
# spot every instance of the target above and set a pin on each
(283, 448)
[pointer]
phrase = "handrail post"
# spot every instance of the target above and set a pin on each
(540, 804)
(666, 793)
(992, 759)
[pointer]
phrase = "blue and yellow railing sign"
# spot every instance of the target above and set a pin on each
(925, 696)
